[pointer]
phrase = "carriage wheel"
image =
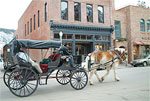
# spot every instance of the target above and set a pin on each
(63, 76)
(6, 76)
(23, 82)
(79, 79)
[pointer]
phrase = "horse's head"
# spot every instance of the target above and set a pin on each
(123, 53)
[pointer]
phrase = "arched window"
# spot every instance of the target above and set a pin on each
(148, 25)
(142, 25)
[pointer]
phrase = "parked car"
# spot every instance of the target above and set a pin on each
(144, 62)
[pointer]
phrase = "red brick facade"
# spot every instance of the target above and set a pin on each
(138, 43)
(43, 32)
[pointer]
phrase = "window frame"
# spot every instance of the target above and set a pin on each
(148, 25)
(38, 18)
(34, 21)
(102, 14)
(92, 13)
(141, 29)
(30, 25)
(45, 12)
(61, 10)
(25, 29)
(78, 12)
(119, 29)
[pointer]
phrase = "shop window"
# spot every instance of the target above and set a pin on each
(64, 10)
(56, 36)
(100, 14)
(89, 37)
(89, 13)
(77, 11)
(117, 29)
(69, 36)
(83, 37)
(77, 37)
(148, 25)
(142, 25)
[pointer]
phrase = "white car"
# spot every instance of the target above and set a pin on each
(144, 62)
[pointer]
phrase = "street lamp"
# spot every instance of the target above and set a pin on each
(61, 34)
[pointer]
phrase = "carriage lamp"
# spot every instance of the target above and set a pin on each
(61, 34)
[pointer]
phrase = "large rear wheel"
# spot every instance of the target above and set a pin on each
(23, 82)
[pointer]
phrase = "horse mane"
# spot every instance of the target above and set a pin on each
(120, 50)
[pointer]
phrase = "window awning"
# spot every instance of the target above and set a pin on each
(141, 43)
(138, 43)
(146, 43)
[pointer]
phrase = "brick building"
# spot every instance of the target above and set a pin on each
(132, 30)
(85, 24)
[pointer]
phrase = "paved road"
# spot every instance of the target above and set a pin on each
(134, 86)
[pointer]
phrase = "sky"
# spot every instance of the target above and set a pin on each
(12, 10)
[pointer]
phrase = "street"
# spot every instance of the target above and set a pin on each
(134, 85)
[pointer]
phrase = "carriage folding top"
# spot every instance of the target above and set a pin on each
(36, 44)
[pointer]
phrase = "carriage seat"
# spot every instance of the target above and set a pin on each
(44, 63)
(25, 57)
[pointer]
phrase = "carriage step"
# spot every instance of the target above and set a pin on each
(43, 80)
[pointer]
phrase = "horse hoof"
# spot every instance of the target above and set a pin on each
(101, 80)
(117, 79)
(90, 83)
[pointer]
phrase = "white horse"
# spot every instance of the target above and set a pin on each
(110, 59)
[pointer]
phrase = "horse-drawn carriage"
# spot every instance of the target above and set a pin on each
(24, 75)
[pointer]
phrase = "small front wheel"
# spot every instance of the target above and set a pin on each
(78, 79)
(63, 76)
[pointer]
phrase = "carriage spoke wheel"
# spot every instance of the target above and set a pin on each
(63, 76)
(78, 79)
(23, 82)
(6, 76)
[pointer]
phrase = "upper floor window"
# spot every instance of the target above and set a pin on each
(117, 29)
(77, 11)
(31, 25)
(34, 21)
(28, 27)
(25, 29)
(148, 25)
(89, 13)
(100, 14)
(142, 25)
(38, 18)
(45, 12)
(64, 10)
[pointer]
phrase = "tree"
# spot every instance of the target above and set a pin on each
(141, 4)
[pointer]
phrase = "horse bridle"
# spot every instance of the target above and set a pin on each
(119, 56)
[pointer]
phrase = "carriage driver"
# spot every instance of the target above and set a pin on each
(65, 51)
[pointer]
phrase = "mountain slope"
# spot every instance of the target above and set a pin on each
(6, 36)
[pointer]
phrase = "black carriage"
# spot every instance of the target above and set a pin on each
(25, 76)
